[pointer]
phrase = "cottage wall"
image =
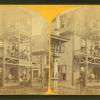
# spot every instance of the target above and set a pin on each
(66, 59)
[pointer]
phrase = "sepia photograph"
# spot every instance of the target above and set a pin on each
(75, 52)
(23, 52)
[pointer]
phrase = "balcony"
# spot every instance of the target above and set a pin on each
(58, 38)
(82, 57)
(57, 45)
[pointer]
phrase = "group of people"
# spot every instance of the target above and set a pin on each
(94, 74)
(25, 79)
(12, 74)
(24, 54)
(95, 50)
(12, 50)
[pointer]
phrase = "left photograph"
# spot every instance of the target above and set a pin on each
(23, 52)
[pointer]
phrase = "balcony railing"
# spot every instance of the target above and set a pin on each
(81, 57)
(79, 52)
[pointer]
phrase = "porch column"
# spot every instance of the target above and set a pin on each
(55, 82)
(42, 70)
(31, 78)
(19, 74)
(86, 69)
(3, 80)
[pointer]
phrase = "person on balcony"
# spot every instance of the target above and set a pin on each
(14, 50)
(96, 49)
(8, 51)
(91, 50)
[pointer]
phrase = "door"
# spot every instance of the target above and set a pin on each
(46, 72)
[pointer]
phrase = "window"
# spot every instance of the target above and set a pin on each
(59, 47)
(47, 59)
(62, 23)
(1, 48)
(52, 47)
(83, 45)
(1, 43)
(63, 76)
(62, 72)
(35, 73)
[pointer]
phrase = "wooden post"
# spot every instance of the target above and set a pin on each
(86, 69)
(31, 72)
(42, 70)
(55, 80)
(3, 27)
(73, 59)
(3, 81)
(19, 61)
(55, 74)
(18, 51)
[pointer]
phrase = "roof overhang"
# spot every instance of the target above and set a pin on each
(58, 38)
(39, 53)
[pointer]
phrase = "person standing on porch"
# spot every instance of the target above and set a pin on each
(82, 76)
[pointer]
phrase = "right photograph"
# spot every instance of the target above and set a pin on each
(75, 52)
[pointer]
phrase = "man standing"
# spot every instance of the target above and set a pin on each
(82, 76)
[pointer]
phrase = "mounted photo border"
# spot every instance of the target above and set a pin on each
(49, 2)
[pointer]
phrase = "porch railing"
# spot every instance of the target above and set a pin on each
(81, 57)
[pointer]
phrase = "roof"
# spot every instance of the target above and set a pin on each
(84, 21)
(39, 53)
(58, 38)
(40, 43)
